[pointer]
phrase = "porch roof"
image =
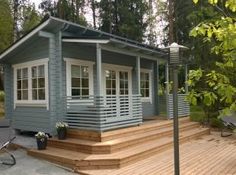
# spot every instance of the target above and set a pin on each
(76, 32)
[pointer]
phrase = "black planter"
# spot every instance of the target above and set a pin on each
(61, 133)
(42, 143)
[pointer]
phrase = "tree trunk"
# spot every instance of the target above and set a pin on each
(15, 20)
(171, 21)
(94, 13)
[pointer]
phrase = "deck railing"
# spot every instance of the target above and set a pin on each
(103, 112)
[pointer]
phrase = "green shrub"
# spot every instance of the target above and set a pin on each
(216, 123)
(2, 96)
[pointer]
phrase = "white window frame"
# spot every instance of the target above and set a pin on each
(30, 102)
(78, 62)
(117, 69)
(147, 99)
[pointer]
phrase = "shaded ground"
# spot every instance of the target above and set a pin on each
(27, 165)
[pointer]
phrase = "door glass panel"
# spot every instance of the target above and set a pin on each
(124, 83)
(110, 82)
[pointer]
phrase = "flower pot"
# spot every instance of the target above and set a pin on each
(41, 143)
(61, 133)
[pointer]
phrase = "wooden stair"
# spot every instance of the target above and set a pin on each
(115, 149)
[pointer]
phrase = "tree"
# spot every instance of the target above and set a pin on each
(219, 91)
(124, 18)
(31, 18)
(70, 10)
(6, 27)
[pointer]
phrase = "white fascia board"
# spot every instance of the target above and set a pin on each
(33, 32)
(100, 41)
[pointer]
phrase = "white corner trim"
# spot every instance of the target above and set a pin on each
(14, 46)
(103, 41)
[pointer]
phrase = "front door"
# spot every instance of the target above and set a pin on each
(118, 90)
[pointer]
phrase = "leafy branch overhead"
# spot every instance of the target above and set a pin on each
(219, 84)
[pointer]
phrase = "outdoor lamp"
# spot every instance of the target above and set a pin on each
(175, 52)
(175, 59)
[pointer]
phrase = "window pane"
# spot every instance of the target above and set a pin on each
(122, 84)
(113, 74)
(25, 95)
(25, 73)
(75, 92)
(113, 92)
(113, 83)
(147, 84)
(19, 84)
(108, 74)
(41, 94)
(34, 94)
(85, 92)
(19, 74)
(75, 82)
(108, 83)
(126, 84)
(85, 83)
(142, 77)
(41, 71)
(147, 92)
(18, 95)
(122, 75)
(142, 92)
(126, 92)
(34, 72)
(142, 84)
(34, 83)
(108, 91)
(25, 84)
(41, 83)
(84, 71)
(75, 71)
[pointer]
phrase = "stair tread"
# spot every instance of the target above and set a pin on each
(122, 139)
(147, 124)
(142, 147)
(72, 155)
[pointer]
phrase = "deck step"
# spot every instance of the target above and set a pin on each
(82, 161)
(110, 135)
(118, 144)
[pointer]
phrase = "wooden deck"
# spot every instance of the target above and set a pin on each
(116, 149)
(208, 155)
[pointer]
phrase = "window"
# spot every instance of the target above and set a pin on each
(79, 78)
(22, 84)
(110, 82)
(30, 83)
(38, 82)
(145, 85)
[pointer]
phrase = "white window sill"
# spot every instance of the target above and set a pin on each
(31, 104)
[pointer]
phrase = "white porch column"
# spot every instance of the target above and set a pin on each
(167, 89)
(138, 73)
(99, 69)
(186, 78)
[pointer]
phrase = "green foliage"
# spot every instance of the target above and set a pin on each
(217, 87)
(124, 18)
(6, 25)
(2, 96)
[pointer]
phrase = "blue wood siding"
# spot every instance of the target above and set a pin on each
(26, 118)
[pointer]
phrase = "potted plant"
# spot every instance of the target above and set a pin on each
(61, 130)
(41, 139)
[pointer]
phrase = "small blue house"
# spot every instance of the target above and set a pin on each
(61, 71)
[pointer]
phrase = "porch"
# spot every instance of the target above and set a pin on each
(87, 151)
